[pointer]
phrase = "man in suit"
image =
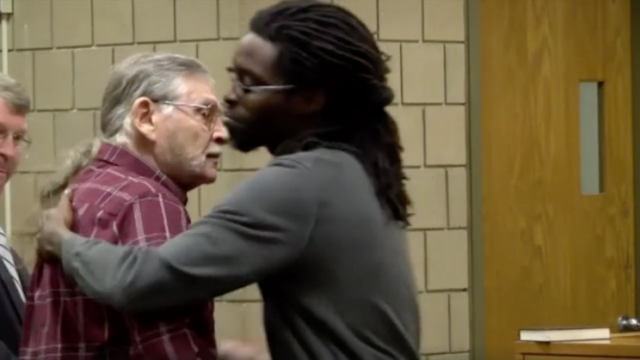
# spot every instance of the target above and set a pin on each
(14, 277)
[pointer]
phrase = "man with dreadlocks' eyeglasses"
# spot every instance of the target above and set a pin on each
(320, 229)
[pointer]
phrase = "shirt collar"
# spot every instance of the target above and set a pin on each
(122, 157)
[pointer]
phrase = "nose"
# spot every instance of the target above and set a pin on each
(8, 152)
(220, 134)
(9, 148)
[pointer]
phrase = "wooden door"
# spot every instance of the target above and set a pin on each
(552, 255)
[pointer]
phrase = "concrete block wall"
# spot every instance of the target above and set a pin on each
(61, 50)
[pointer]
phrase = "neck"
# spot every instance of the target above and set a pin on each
(145, 155)
(141, 153)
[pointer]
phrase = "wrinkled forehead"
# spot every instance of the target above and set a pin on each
(200, 90)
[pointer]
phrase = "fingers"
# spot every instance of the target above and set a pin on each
(66, 195)
(41, 250)
(44, 255)
(64, 204)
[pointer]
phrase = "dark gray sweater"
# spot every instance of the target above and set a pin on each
(333, 271)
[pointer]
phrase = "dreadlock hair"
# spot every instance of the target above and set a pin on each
(326, 47)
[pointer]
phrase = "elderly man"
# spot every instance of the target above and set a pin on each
(161, 137)
(14, 278)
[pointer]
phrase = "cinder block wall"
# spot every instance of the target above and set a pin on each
(61, 50)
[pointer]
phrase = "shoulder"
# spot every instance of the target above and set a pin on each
(325, 168)
(289, 172)
(112, 189)
(316, 165)
(321, 157)
(297, 181)
(120, 184)
(304, 171)
(287, 181)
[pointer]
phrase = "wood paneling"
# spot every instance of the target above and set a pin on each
(552, 255)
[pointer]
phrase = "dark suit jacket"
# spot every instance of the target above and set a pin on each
(11, 309)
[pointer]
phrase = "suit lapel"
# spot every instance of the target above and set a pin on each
(23, 273)
(10, 288)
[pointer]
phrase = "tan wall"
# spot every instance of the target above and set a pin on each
(62, 51)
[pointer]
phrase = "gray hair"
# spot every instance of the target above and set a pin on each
(158, 76)
(14, 95)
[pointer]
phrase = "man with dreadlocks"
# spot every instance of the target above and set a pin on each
(320, 229)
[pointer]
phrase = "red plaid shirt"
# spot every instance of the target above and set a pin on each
(121, 199)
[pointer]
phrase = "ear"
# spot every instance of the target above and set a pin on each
(143, 114)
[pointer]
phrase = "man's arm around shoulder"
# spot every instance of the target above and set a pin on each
(261, 226)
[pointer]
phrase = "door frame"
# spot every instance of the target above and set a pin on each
(474, 122)
(476, 246)
(635, 118)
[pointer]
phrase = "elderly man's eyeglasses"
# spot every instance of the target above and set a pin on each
(245, 89)
(208, 114)
(20, 140)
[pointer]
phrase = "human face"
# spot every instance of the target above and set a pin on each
(257, 107)
(13, 141)
(187, 135)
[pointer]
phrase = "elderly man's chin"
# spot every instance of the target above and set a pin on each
(209, 174)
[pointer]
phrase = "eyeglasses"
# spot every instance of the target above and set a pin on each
(207, 113)
(245, 89)
(20, 141)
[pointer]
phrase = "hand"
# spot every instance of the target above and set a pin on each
(54, 226)
(239, 350)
